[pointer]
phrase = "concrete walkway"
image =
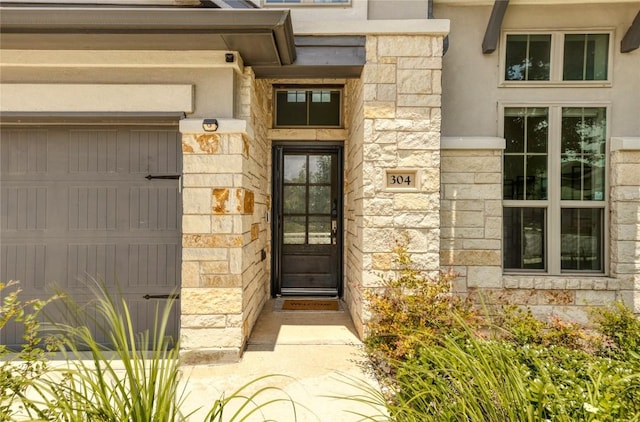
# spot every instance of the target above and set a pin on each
(313, 356)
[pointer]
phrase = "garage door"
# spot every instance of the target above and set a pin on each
(91, 201)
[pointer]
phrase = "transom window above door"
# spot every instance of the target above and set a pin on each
(308, 107)
(556, 57)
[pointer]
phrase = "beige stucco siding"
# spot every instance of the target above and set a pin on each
(471, 79)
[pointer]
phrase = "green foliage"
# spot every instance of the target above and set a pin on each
(446, 364)
(620, 326)
(135, 380)
(411, 309)
(19, 370)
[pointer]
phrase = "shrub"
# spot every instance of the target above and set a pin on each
(18, 371)
(620, 326)
(411, 309)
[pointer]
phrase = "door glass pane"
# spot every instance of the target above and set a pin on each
(319, 199)
(524, 238)
(319, 231)
(294, 230)
(586, 57)
(294, 201)
(320, 168)
(581, 239)
(295, 168)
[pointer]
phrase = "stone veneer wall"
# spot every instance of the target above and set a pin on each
(471, 216)
(472, 239)
(625, 218)
(225, 200)
(396, 127)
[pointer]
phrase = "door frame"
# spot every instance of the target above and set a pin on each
(277, 159)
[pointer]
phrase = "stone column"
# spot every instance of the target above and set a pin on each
(219, 233)
(625, 218)
(471, 216)
(397, 128)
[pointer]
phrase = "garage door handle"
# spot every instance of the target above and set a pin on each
(148, 296)
(168, 176)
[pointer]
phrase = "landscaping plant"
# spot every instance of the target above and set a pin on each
(439, 361)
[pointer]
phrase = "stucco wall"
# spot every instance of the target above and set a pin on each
(470, 78)
(213, 86)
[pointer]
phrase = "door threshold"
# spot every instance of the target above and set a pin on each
(309, 292)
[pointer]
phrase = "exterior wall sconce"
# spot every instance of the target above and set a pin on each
(210, 125)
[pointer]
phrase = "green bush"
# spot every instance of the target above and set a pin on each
(411, 309)
(19, 370)
(446, 364)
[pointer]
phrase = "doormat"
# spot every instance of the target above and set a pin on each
(310, 305)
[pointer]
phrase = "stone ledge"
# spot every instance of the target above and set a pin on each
(210, 356)
(561, 283)
(472, 142)
(625, 144)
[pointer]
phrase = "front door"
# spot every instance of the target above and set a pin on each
(307, 226)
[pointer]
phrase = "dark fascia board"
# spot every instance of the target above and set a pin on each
(631, 40)
(146, 20)
(492, 33)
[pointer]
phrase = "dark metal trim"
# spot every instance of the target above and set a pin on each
(56, 118)
(631, 40)
(162, 176)
(105, 21)
(173, 296)
(492, 33)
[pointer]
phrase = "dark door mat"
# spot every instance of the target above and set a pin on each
(310, 305)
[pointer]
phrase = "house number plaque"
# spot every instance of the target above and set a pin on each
(398, 179)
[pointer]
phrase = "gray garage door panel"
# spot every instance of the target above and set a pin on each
(75, 203)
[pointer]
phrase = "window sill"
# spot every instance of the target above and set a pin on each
(555, 84)
(559, 282)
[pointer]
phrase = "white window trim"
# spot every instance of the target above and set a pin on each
(556, 59)
(553, 204)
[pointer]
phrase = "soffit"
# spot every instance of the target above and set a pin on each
(262, 37)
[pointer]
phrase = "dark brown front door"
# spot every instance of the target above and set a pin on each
(307, 226)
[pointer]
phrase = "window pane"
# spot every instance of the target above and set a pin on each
(524, 238)
(581, 239)
(586, 57)
(294, 230)
(291, 108)
(583, 147)
(539, 57)
(528, 57)
(319, 231)
(319, 199)
(320, 168)
(536, 177)
(325, 111)
(295, 168)
(525, 158)
(514, 183)
(514, 129)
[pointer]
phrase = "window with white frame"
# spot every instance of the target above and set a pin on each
(559, 57)
(554, 189)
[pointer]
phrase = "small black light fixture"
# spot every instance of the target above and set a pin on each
(229, 57)
(210, 125)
